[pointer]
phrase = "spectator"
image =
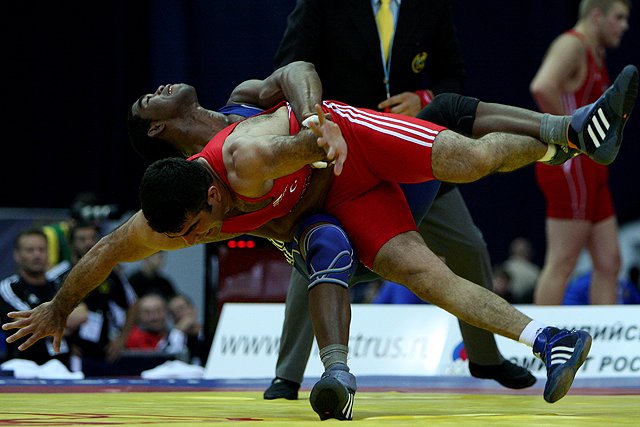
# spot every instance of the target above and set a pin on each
(149, 278)
(522, 271)
(86, 206)
(578, 292)
(29, 287)
(99, 341)
(364, 292)
(394, 293)
(185, 318)
(580, 212)
(152, 333)
(630, 288)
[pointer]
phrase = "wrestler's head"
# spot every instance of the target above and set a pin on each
(181, 199)
(608, 19)
(154, 116)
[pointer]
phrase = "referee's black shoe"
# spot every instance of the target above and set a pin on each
(282, 389)
(507, 374)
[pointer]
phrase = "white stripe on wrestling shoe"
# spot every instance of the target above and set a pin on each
(347, 411)
(598, 125)
(561, 354)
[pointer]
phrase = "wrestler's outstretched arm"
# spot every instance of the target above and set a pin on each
(132, 241)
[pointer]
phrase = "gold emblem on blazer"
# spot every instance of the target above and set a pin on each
(417, 65)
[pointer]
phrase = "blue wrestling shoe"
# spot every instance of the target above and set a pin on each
(333, 395)
(596, 129)
(562, 352)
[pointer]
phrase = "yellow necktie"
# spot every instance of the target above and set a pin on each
(384, 19)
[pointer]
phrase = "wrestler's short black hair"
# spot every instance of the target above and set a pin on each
(170, 190)
(150, 149)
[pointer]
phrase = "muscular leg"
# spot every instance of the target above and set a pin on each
(605, 257)
(491, 117)
(459, 159)
(449, 232)
(448, 228)
(405, 259)
(330, 311)
(565, 239)
(472, 117)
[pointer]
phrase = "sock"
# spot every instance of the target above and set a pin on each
(332, 354)
(553, 129)
(530, 332)
(551, 151)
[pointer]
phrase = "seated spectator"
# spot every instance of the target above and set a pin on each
(87, 206)
(185, 318)
(30, 287)
(97, 344)
(149, 277)
(152, 333)
(523, 272)
(629, 290)
(364, 292)
(578, 289)
(394, 293)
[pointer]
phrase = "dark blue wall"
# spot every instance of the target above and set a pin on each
(74, 68)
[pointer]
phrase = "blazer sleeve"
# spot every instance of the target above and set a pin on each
(302, 34)
(447, 72)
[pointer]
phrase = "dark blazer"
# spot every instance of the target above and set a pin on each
(340, 38)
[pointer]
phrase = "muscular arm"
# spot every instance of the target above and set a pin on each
(256, 160)
(297, 83)
(132, 241)
(558, 74)
(253, 159)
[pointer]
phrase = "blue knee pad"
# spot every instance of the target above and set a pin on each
(326, 251)
(322, 252)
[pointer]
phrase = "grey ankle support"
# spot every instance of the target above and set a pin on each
(333, 353)
(553, 129)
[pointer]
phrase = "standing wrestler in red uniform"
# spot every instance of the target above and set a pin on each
(580, 211)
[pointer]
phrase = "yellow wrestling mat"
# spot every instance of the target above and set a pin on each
(371, 408)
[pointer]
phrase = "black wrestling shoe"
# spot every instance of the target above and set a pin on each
(282, 389)
(507, 374)
(334, 394)
(562, 352)
(596, 129)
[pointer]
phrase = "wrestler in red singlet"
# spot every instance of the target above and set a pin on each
(579, 188)
(384, 149)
